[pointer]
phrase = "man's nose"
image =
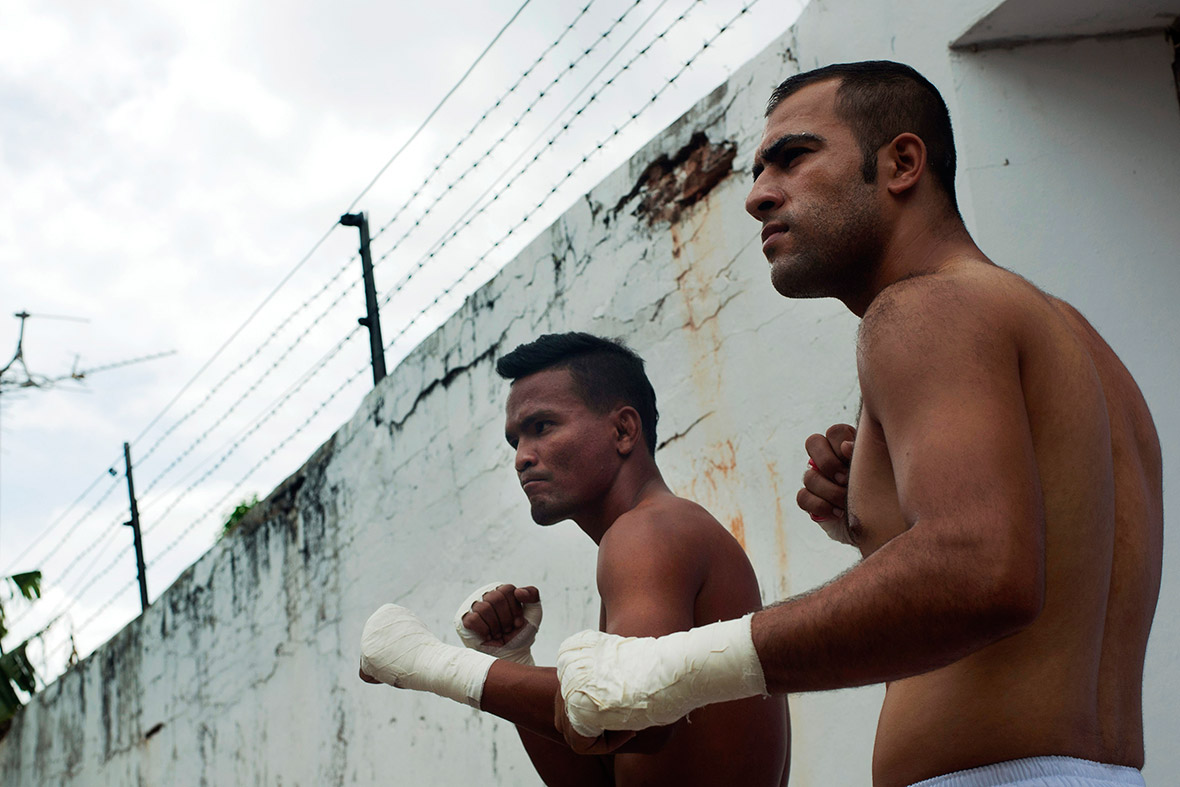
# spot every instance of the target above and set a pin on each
(525, 457)
(763, 198)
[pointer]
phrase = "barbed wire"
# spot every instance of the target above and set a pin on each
(257, 351)
(477, 208)
(634, 116)
(62, 517)
(257, 309)
(268, 414)
(439, 106)
(470, 215)
(487, 113)
(140, 459)
(251, 389)
(307, 376)
(449, 188)
(104, 533)
(201, 438)
(315, 247)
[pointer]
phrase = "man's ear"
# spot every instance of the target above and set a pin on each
(628, 429)
(902, 163)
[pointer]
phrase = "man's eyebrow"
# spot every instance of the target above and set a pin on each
(774, 149)
(529, 420)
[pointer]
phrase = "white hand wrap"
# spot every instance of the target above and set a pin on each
(630, 683)
(398, 649)
(518, 648)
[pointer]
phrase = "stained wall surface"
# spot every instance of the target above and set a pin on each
(244, 672)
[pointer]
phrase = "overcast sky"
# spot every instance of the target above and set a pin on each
(164, 166)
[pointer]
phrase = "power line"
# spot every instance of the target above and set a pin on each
(307, 256)
(511, 128)
(269, 413)
(434, 111)
(249, 391)
(470, 215)
(634, 116)
(257, 351)
(419, 315)
(62, 517)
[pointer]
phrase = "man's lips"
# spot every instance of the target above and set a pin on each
(532, 481)
(771, 231)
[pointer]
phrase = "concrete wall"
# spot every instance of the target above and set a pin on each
(244, 672)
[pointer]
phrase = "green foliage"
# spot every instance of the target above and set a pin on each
(238, 514)
(16, 671)
(27, 585)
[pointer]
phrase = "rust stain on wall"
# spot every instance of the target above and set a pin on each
(737, 526)
(780, 535)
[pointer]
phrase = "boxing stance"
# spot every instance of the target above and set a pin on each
(581, 419)
(1003, 484)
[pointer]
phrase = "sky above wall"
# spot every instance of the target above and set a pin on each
(165, 167)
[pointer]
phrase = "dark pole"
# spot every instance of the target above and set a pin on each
(373, 319)
(134, 525)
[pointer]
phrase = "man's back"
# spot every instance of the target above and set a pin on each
(1070, 682)
(672, 553)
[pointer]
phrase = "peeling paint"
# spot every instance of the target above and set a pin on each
(670, 184)
(244, 671)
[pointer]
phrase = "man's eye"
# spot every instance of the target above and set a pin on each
(541, 426)
(789, 157)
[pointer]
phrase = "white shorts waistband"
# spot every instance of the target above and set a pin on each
(1041, 772)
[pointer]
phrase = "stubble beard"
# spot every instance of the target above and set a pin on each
(545, 515)
(835, 246)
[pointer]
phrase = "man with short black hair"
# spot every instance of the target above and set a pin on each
(581, 419)
(1003, 485)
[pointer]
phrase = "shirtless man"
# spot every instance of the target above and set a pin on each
(1005, 490)
(582, 421)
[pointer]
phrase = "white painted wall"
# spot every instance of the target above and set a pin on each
(1070, 157)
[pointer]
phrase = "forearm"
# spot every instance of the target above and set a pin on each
(908, 608)
(525, 696)
(522, 695)
(559, 766)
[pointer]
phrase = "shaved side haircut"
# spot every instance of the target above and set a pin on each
(605, 372)
(880, 99)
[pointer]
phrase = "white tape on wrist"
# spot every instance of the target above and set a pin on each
(519, 648)
(631, 683)
(398, 649)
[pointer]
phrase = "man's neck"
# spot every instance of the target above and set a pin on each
(632, 488)
(915, 251)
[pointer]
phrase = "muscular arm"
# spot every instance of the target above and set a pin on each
(524, 696)
(519, 692)
(648, 580)
(942, 388)
(648, 584)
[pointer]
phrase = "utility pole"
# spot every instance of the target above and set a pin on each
(372, 320)
(134, 525)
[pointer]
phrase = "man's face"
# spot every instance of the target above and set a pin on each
(821, 226)
(566, 457)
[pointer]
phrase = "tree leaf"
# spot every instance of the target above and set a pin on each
(28, 583)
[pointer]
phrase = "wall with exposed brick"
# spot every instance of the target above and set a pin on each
(244, 672)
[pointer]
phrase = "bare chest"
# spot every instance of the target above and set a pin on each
(874, 513)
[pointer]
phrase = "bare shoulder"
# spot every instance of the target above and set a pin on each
(969, 321)
(663, 525)
(676, 545)
(974, 297)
